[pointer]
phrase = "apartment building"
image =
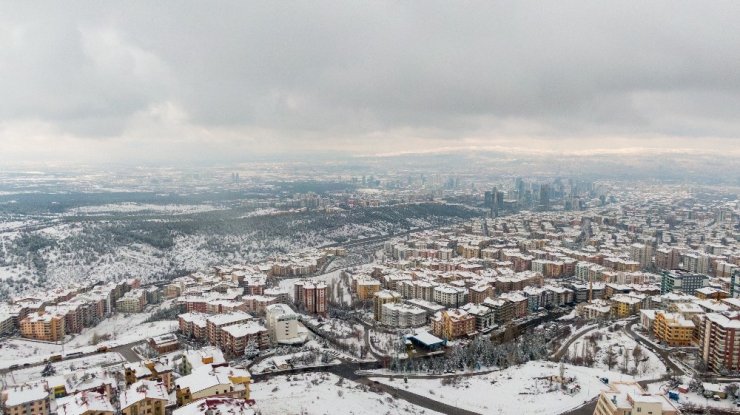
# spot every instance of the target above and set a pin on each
(6, 323)
(667, 258)
(719, 337)
(682, 281)
(503, 311)
(452, 324)
(449, 296)
(673, 329)
(484, 320)
(403, 316)
(366, 288)
(628, 398)
(417, 289)
(133, 301)
(383, 297)
(519, 303)
(43, 326)
(236, 337)
(478, 293)
(625, 305)
(216, 323)
(642, 253)
(193, 325)
(310, 296)
(711, 293)
(596, 310)
(282, 324)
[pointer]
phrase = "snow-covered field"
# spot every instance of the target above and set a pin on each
(66, 366)
(20, 351)
(598, 342)
(384, 343)
(524, 389)
(324, 393)
(123, 329)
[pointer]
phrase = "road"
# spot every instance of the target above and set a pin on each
(674, 369)
(126, 350)
(587, 409)
(348, 370)
(564, 348)
(417, 400)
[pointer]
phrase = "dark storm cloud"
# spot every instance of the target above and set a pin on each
(322, 73)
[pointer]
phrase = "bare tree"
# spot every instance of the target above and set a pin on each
(610, 358)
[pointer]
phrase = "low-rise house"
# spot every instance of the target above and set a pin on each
(152, 370)
(26, 399)
(85, 403)
(209, 381)
(164, 343)
(144, 397)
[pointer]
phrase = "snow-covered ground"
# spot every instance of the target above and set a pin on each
(292, 360)
(692, 398)
(123, 329)
(324, 393)
(66, 366)
(130, 207)
(20, 351)
(384, 343)
(144, 331)
(598, 342)
(524, 389)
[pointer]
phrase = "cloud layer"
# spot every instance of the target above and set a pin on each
(186, 80)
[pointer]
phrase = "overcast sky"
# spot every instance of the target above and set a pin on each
(165, 80)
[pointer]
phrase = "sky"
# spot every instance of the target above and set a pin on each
(165, 81)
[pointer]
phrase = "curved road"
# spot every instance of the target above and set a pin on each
(564, 348)
(662, 354)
